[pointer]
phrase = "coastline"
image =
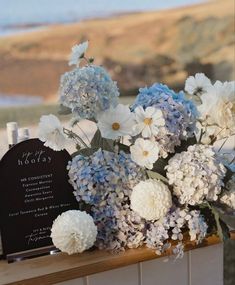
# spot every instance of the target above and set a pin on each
(137, 48)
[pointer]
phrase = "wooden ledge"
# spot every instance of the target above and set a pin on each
(61, 267)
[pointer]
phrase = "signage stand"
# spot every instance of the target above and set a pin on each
(14, 257)
(34, 190)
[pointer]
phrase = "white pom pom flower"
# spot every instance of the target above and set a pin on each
(151, 199)
(73, 232)
(51, 132)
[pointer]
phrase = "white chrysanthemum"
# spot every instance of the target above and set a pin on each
(77, 54)
(148, 121)
(198, 84)
(115, 122)
(218, 105)
(144, 152)
(73, 232)
(196, 175)
(151, 199)
(51, 132)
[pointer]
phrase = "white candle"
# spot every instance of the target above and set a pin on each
(23, 134)
(12, 133)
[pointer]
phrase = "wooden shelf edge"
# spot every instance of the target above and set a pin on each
(61, 267)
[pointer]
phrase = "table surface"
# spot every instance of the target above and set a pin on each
(61, 267)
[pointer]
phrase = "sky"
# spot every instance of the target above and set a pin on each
(21, 12)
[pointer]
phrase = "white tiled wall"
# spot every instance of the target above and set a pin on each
(202, 266)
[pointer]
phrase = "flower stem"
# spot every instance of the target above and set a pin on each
(74, 136)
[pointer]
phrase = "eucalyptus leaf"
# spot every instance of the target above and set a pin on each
(222, 229)
(64, 110)
(155, 175)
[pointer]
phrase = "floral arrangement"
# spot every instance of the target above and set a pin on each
(150, 175)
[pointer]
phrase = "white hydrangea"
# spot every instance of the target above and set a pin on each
(151, 199)
(51, 132)
(196, 175)
(73, 232)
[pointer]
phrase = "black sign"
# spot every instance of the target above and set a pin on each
(34, 190)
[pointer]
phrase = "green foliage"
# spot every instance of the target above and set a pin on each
(99, 142)
(123, 147)
(222, 228)
(228, 175)
(64, 110)
(155, 175)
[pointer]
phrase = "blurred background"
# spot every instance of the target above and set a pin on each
(139, 42)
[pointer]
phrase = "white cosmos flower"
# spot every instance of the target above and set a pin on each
(151, 199)
(218, 105)
(148, 121)
(51, 132)
(73, 231)
(77, 54)
(144, 152)
(198, 84)
(115, 122)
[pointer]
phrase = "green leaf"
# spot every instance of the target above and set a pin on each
(155, 175)
(185, 144)
(96, 140)
(64, 110)
(84, 152)
(99, 142)
(159, 166)
(124, 147)
(228, 219)
(222, 229)
(228, 175)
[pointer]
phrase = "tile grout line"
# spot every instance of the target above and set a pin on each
(189, 268)
(140, 281)
(86, 280)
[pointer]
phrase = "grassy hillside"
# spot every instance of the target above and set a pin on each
(138, 49)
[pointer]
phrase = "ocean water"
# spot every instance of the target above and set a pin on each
(19, 100)
(20, 15)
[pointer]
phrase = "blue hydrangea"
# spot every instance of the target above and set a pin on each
(88, 91)
(179, 113)
(105, 180)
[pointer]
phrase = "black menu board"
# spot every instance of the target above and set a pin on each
(34, 190)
